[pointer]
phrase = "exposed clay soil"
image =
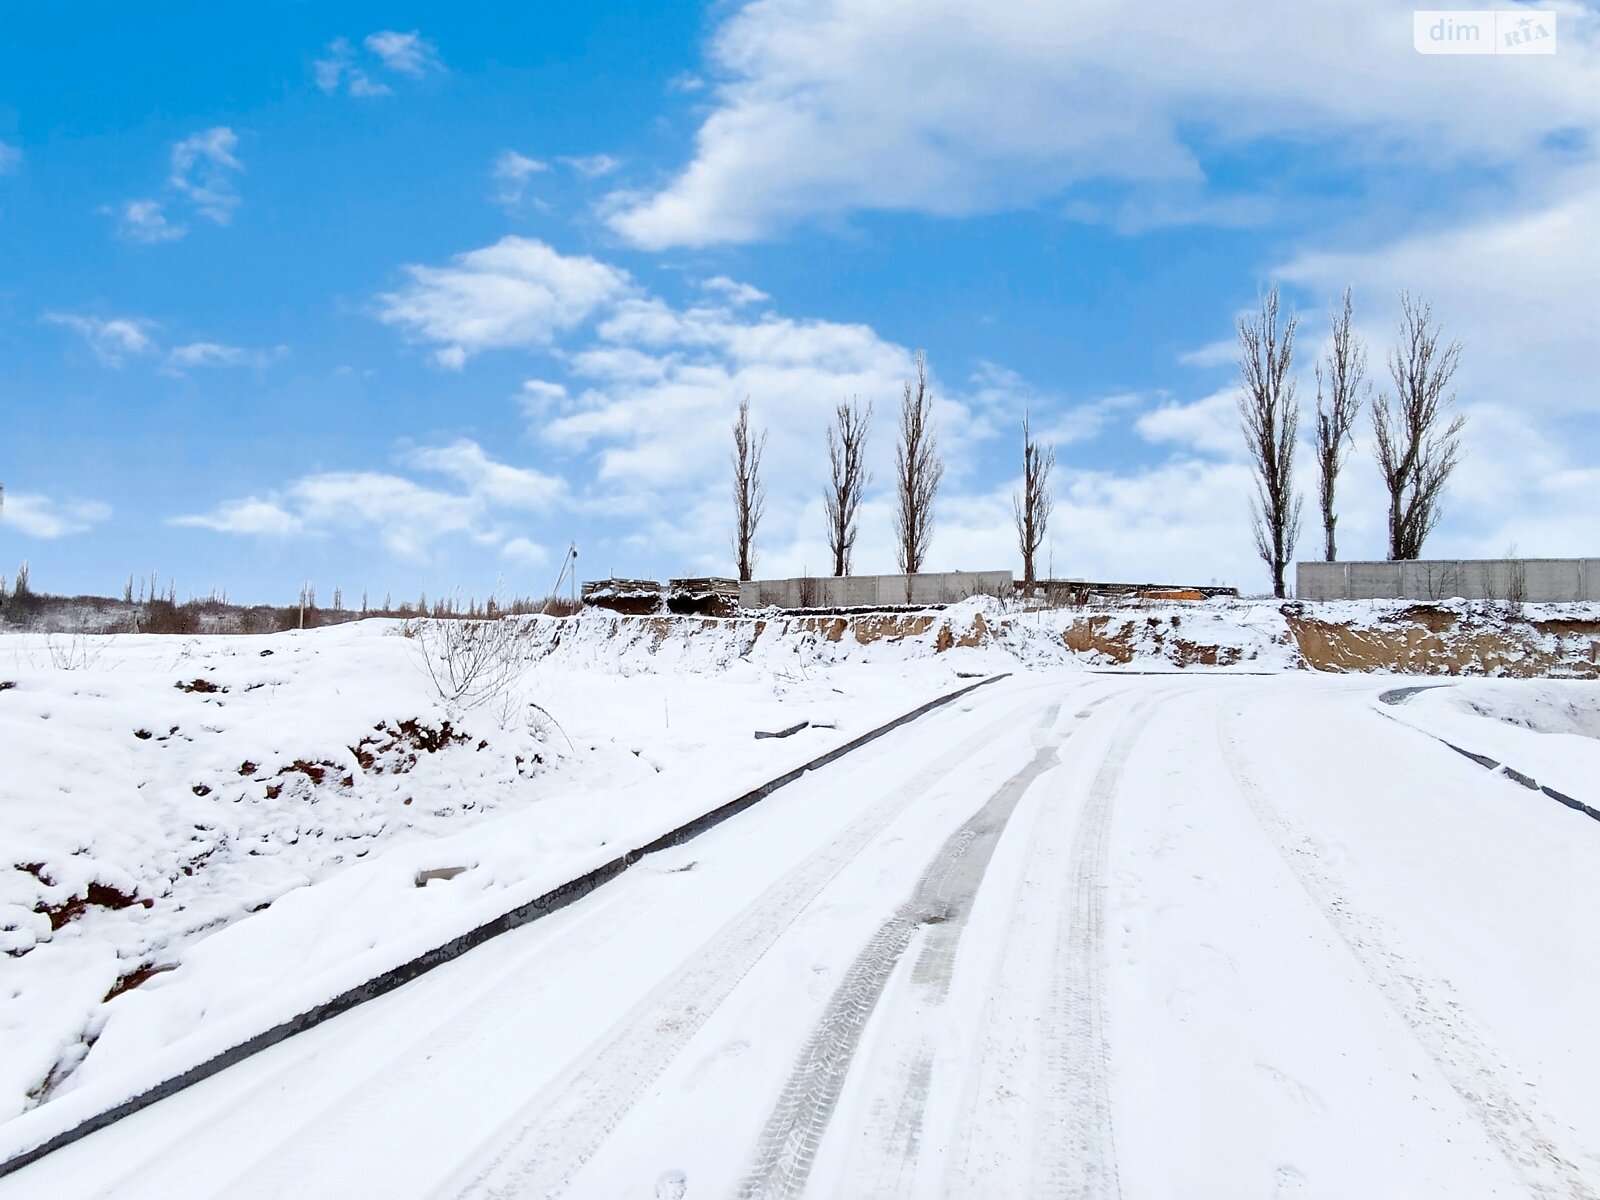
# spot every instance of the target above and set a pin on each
(96, 895)
(1421, 639)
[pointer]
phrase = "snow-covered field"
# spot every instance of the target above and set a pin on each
(1197, 934)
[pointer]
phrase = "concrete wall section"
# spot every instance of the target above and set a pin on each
(869, 591)
(1536, 580)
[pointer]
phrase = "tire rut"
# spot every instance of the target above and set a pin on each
(1049, 1073)
(540, 1149)
(1074, 1130)
(935, 913)
(1462, 1056)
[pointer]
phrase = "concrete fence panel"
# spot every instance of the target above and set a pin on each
(1536, 580)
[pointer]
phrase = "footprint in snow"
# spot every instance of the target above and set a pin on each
(671, 1185)
(1296, 1091)
(1290, 1185)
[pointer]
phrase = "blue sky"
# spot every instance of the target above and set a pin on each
(396, 297)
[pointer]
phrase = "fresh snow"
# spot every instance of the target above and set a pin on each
(1203, 933)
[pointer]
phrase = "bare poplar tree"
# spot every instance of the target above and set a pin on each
(1418, 443)
(847, 478)
(918, 470)
(1032, 505)
(1344, 372)
(749, 497)
(1270, 416)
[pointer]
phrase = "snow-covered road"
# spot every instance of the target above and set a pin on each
(1076, 935)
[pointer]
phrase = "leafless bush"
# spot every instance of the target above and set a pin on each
(469, 663)
(75, 652)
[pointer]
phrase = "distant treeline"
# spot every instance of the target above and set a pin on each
(147, 607)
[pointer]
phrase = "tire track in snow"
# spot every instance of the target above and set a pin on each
(1074, 1135)
(538, 1151)
(892, 1155)
(1037, 1115)
(1464, 1059)
(936, 912)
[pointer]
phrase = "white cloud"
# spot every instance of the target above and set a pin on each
(734, 292)
(41, 517)
(339, 66)
(405, 53)
(517, 292)
(111, 338)
(593, 166)
(498, 484)
(145, 221)
(408, 54)
(1083, 421)
(213, 354)
(203, 169)
(330, 70)
(525, 552)
(959, 106)
(538, 396)
(406, 517)
(1222, 352)
(362, 84)
(246, 516)
(1519, 291)
(10, 156)
(1208, 426)
(511, 173)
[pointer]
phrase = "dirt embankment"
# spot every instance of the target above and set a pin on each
(1427, 640)
(1421, 639)
(1120, 640)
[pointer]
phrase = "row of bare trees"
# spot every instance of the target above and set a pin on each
(1416, 438)
(918, 471)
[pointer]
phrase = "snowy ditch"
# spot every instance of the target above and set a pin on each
(169, 905)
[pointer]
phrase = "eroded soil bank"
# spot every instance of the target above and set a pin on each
(1455, 638)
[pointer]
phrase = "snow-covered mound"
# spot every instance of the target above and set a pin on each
(156, 788)
(1548, 729)
(199, 834)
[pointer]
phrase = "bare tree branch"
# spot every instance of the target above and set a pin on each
(1270, 416)
(847, 479)
(1417, 443)
(918, 470)
(1032, 506)
(1346, 368)
(749, 496)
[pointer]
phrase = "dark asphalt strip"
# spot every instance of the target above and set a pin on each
(1401, 695)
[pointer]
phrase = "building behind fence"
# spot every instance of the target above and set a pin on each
(1535, 580)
